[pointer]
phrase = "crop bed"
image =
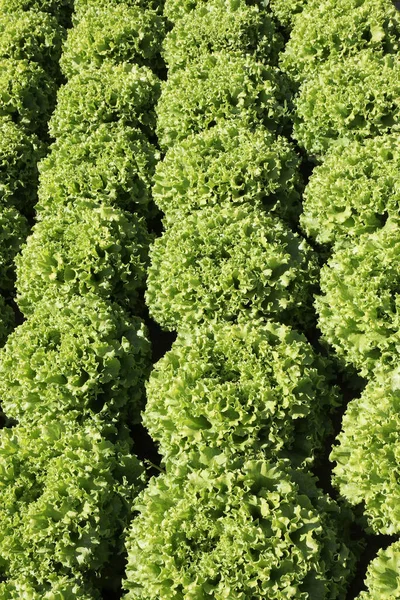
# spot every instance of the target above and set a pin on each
(199, 300)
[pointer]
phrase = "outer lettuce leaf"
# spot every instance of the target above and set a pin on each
(229, 163)
(339, 28)
(383, 579)
(356, 98)
(19, 155)
(81, 6)
(27, 94)
(32, 35)
(286, 10)
(354, 190)
(61, 9)
(114, 164)
(228, 25)
(216, 87)
(246, 529)
(244, 387)
(368, 454)
(56, 588)
(106, 94)
(13, 232)
(359, 306)
(7, 320)
(223, 262)
(81, 358)
(119, 32)
(87, 247)
(65, 496)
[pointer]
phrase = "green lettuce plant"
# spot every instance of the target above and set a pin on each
(359, 305)
(229, 163)
(81, 356)
(32, 35)
(339, 28)
(26, 94)
(119, 33)
(106, 94)
(383, 580)
(367, 456)
(217, 87)
(354, 190)
(356, 98)
(114, 164)
(61, 9)
(85, 247)
(241, 529)
(224, 262)
(245, 387)
(228, 25)
(66, 492)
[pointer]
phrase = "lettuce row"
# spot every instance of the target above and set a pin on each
(345, 56)
(67, 469)
(367, 457)
(240, 528)
(220, 520)
(30, 48)
(250, 387)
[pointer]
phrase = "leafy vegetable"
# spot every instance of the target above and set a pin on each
(359, 308)
(19, 154)
(118, 32)
(215, 87)
(355, 98)
(80, 357)
(106, 94)
(368, 454)
(26, 94)
(224, 262)
(354, 190)
(13, 231)
(176, 9)
(285, 11)
(339, 28)
(87, 247)
(7, 320)
(244, 387)
(383, 579)
(57, 588)
(61, 9)
(65, 496)
(229, 163)
(113, 164)
(32, 35)
(81, 6)
(245, 529)
(228, 25)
